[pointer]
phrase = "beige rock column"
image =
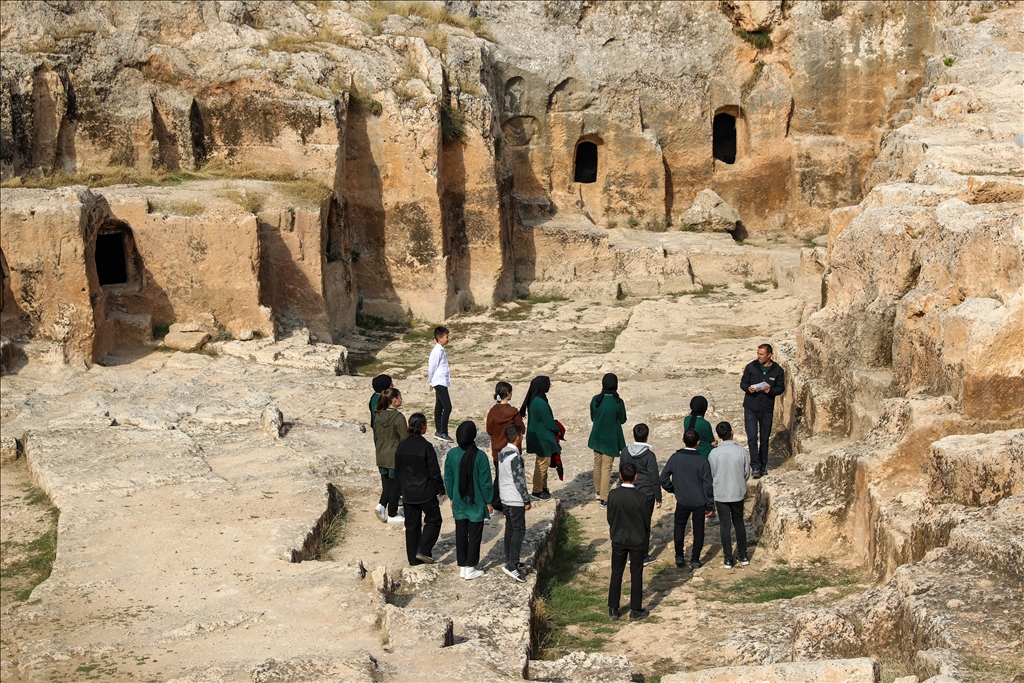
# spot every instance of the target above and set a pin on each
(45, 242)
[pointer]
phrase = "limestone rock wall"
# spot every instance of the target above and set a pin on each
(645, 81)
(50, 284)
(283, 91)
(909, 391)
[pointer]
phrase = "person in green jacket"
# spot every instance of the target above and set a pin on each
(389, 428)
(608, 413)
(695, 420)
(541, 433)
(467, 481)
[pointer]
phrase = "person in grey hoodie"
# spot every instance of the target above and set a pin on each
(730, 470)
(640, 454)
(515, 500)
(688, 475)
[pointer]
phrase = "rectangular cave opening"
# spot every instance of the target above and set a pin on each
(111, 260)
(586, 163)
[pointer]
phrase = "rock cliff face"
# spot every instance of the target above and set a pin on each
(909, 380)
(435, 142)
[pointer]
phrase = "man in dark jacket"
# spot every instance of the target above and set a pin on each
(687, 474)
(639, 453)
(762, 381)
(419, 475)
(629, 528)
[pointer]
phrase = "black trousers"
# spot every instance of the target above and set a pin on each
(467, 542)
(421, 539)
(636, 577)
(731, 515)
(682, 515)
(759, 428)
(390, 491)
(515, 533)
(442, 409)
(496, 498)
(649, 510)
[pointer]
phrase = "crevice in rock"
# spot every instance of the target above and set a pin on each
(197, 126)
(313, 546)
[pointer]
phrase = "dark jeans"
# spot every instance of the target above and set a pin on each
(682, 515)
(390, 491)
(754, 422)
(515, 533)
(421, 539)
(467, 542)
(636, 577)
(731, 515)
(442, 409)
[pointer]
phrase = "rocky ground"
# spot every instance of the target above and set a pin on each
(179, 510)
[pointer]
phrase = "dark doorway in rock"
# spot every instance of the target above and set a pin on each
(723, 144)
(111, 261)
(586, 163)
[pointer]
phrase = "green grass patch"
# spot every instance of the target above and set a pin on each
(948, 61)
(777, 583)
(759, 39)
(708, 290)
(754, 287)
(569, 597)
(453, 125)
(21, 576)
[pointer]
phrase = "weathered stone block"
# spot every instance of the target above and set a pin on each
(977, 469)
(416, 627)
(861, 670)
(186, 341)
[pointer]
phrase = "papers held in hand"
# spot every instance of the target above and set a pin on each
(760, 386)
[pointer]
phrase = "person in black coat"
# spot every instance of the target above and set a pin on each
(630, 530)
(762, 381)
(687, 474)
(419, 476)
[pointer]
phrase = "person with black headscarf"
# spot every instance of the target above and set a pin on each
(467, 480)
(695, 420)
(608, 413)
(379, 383)
(541, 433)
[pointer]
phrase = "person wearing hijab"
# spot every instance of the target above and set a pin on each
(541, 433)
(501, 415)
(467, 480)
(695, 420)
(608, 413)
(389, 429)
(379, 383)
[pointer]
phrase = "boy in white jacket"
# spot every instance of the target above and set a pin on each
(514, 500)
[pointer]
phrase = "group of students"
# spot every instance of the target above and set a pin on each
(708, 474)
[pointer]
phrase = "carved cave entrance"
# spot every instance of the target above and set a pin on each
(116, 257)
(586, 162)
(723, 145)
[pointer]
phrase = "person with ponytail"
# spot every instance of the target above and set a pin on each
(608, 413)
(389, 429)
(467, 480)
(695, 420)
(541, 433)
(501, 415)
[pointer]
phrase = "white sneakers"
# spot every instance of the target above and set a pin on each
(381, 512)
(397, 519)
(470, 573)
